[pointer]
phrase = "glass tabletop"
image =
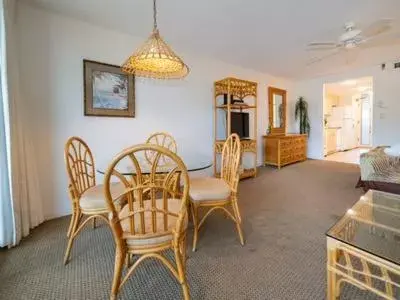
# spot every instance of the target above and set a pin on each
(372, 225)
(193, 163)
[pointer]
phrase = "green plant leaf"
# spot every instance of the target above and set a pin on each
(301, 114)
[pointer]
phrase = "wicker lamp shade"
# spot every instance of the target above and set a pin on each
(155, 59)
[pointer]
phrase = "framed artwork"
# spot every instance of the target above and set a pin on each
(108, 91)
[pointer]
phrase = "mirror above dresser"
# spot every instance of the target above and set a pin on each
(277, 110)
(280, 148)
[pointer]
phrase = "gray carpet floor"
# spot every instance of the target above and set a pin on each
(285, 216)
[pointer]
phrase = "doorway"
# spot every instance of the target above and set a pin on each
(347, 123)
(366, 121)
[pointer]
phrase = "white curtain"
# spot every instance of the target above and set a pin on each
(6, 222)
(26, 202)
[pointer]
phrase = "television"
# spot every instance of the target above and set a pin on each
(240, 124)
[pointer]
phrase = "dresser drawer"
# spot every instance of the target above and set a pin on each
(287, 159)
(299, 141)
(292, 142)
(286, 143)
(299, 156)
(299, 149)
(285, 149)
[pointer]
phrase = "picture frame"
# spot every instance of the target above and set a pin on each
(108, 92)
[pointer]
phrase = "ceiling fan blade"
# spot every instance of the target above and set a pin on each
(387, 40)
(322, 44)
(317, 60)
(377, 28)
(318, 48)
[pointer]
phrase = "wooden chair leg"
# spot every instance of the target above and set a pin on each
(129, 259)
(120, 256)
(72, 237)
(240, 232)
(234, 202)
(71, 223)
(183, 251)
(238, 221)
(181, 273)
(194, 209)
(189, 211)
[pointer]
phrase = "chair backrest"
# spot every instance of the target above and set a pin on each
(153, 202)
(80, 166)
(161, 139)
(231, 153)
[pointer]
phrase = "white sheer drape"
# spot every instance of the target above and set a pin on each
(6, 221)
(6, 213)
(26, 201)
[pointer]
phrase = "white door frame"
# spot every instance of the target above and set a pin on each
(370, 98)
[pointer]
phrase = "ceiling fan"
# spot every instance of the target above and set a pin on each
(354, 38)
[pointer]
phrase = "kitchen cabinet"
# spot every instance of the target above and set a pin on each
(330, 140)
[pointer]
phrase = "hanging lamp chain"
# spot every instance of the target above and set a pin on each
(155, 15)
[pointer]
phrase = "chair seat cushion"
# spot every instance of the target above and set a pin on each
(208, 188)
(161, 235)
(93, 199)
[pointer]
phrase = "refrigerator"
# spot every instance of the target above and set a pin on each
(342, 117)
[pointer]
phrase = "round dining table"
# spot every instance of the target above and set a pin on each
(192, 162)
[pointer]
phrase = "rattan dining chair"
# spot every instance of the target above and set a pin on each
(161, 139)
(213, 193)
(87, 198)
(149, 224)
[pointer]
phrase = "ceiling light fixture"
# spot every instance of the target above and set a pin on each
(155, 59)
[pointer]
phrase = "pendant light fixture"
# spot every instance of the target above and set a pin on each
(155, 59)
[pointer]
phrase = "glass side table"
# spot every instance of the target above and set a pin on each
(363, 247)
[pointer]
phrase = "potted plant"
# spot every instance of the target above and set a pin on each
(301, 114)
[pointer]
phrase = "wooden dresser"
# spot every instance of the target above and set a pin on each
(281, 150)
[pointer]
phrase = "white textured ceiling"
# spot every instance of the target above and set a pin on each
(266, 35)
